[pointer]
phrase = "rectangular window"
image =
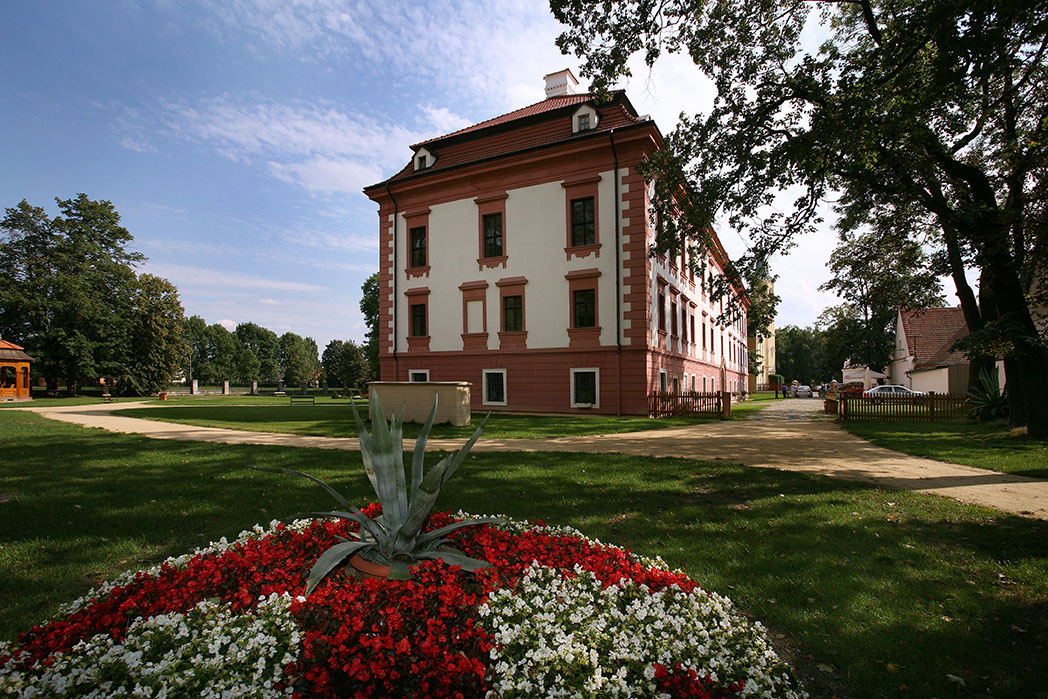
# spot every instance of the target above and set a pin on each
(418, 320)
(418, 246)
(421, 163)
(662, 381)
(583, 229)
(584, 124)
(673, 319)
(662, 312)
(492, 235)
(494, 386)
(585, 308)
(513, 313)
(584, 391)
(418, 375)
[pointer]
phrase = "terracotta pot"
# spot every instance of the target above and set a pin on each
(369, 569)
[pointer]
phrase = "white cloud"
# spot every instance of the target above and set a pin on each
(183, 276)
(228, 324)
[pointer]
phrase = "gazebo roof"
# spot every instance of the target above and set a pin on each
(11, 352)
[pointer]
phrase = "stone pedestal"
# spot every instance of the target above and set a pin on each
(254, 388)
(225, 388)
(193, 388)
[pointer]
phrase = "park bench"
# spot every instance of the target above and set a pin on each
(303, 400)
(108, 397)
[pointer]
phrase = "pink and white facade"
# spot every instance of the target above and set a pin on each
(514, 255)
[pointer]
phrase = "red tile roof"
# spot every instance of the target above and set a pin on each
(931, 332)
(532, 126)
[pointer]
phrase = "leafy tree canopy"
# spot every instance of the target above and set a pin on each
(929, 114)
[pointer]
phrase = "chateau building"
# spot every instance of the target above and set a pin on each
(514, 254)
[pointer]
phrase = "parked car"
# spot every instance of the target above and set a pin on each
(892, 390)
(802, 392)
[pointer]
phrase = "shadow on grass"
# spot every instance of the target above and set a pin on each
(887, 591)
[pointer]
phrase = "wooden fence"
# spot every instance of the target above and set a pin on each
(933, 406)
(689, 404)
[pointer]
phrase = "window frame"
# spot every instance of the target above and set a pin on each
(490, 205)
(484, 387)
(413, 372)
(414, 249)
(596, 387)
(577, 190)
(590, 220)
(518, 311)
(488, 239)
(416, 317)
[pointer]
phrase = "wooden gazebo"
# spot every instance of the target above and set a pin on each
(14, 372)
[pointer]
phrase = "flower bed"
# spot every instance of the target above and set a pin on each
(557, 614)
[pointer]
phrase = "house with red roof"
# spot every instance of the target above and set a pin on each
(923, 360)
(514, 254)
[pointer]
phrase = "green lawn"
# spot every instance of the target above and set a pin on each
(993, 446)
(870, 592)
(337, 421)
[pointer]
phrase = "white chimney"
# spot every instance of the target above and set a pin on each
(561, 83)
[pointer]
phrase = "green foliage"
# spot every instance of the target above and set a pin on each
(369, 306)
(800, 354)
(395, 538)
(876, 273)
(921, 116)
(345, 362)
(298, 359)
(985, 399)
(70, 296)
(263, 345)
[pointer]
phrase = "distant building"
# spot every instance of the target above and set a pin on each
(514, 255)
(923, 360)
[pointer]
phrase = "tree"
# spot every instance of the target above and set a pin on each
(70, 295)
(263, 344)
(154, 348)
(800, 354)
(345, 361)
(298, 359)
(876, 273)
(930, 114)
(369, 306)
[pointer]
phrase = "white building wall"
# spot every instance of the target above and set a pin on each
(534, 233)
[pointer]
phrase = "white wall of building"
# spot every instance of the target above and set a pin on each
(534, 234)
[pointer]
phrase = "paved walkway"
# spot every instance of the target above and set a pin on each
(790, 434)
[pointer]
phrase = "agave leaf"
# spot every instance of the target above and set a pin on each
(331, 491)
(464, 451)
(438, 533)
(397, 441)
(419, 456)
(400, 570)
(380, 462)
(331, 558)
(366, 447)
(423, 502)
(377, 532)
(454, 558)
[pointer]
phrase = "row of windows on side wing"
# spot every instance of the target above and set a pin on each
(584, 385)
(584, 312)
(583, 232)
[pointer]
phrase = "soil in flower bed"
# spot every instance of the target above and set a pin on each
(554, 611)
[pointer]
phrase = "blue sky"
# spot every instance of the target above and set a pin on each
(234, 137)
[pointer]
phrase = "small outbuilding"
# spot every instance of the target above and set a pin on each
(14, 372)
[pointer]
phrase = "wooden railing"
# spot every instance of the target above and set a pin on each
(933, 406)
(689, 404)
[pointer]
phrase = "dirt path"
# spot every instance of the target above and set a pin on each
(790, 434)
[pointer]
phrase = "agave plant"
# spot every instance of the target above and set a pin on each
(395, 538)
(986, 401)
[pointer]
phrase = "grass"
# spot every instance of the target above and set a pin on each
(337, 421)
(870, 592)
(992, 446)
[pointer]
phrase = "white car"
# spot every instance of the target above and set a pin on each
(802, 392)
(892, 390)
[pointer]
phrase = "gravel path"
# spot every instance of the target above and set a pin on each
(791, 434)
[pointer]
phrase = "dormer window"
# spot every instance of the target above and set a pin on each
(584, 122)
(585, 118)
(424, 159)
